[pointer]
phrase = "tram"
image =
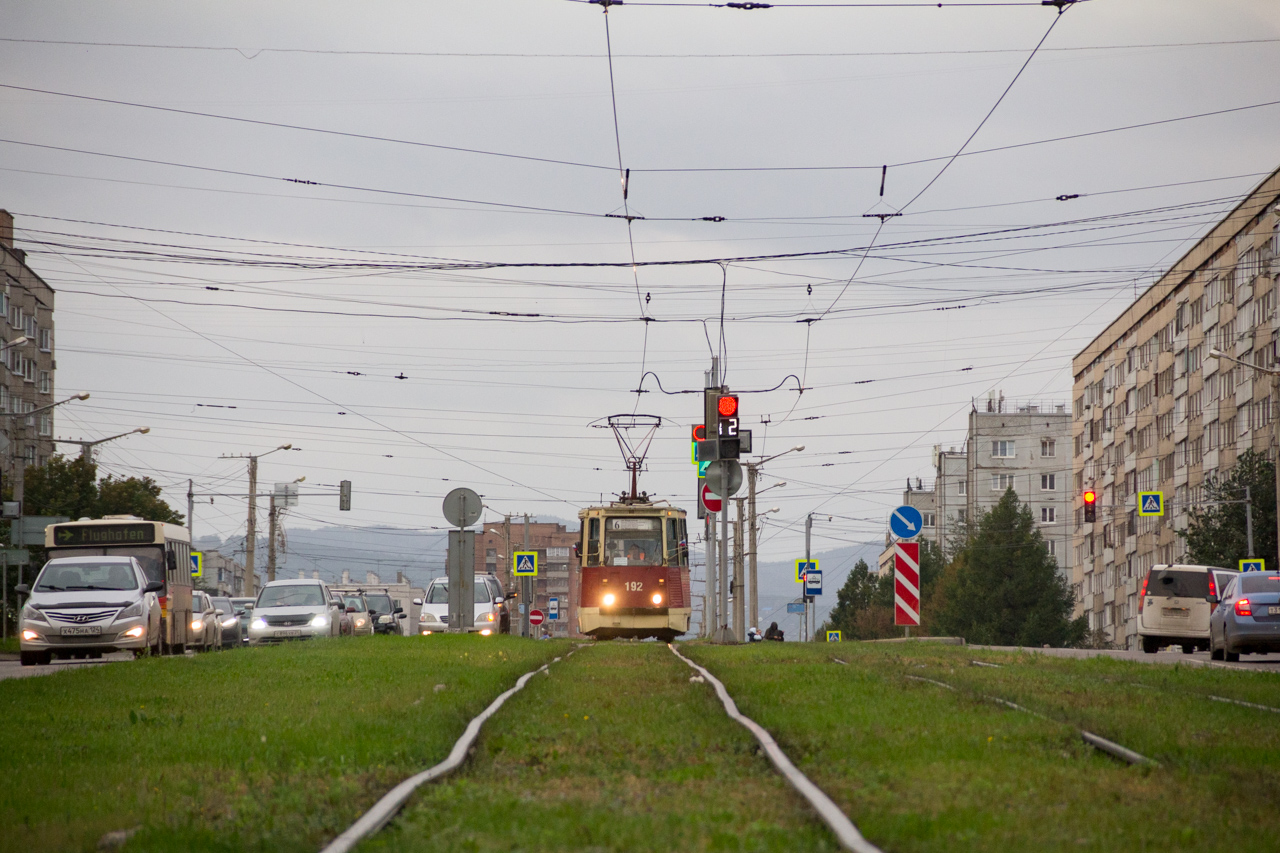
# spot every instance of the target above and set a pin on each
(634, 555)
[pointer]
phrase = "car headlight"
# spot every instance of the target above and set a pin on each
(490, 617)
(131, 611)
(197, 624)
(320, 621)
(135, 632)
(384, 619)
(30, 635)
(426, 633)
(609, 599)
(360, 623)
(30, 614)
(258, 623)
(229, 623)
(485, 632)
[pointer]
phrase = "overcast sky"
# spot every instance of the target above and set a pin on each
(204, 293)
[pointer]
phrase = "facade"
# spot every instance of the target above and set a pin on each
(26, 380)
(1153, 411)
(1018, 445)
(558, 569)
(222, 575)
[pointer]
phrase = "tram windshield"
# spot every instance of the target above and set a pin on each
(633, 541)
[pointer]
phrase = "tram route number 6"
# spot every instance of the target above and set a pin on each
(634, 586)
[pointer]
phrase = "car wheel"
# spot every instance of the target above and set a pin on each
(1150, 645)
(1188, 648)
(35, 658)
(1215, 653)
(1231, 657)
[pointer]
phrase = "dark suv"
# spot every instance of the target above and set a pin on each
(383, 612)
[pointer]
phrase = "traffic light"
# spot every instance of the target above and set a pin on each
(1090, 506)
(727, 426)
(344, 495)
(699, 434)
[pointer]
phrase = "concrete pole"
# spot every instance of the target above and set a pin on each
(191, 509)
(754, 598)
(723, 634)
(1248, 522)
(1275, 428)
(808, 529)
(526, 588)
(271, 539)
(711, 611)
(739, 579)
(251, 528)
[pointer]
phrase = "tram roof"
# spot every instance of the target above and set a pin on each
(662, 509)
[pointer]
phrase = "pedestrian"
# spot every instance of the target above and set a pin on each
(753, 635)
(773, 632)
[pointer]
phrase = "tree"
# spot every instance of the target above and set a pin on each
(1216, 534)
(864, 605)
(134, 496)
(1003, 587)
(70, 487)
(852, 600)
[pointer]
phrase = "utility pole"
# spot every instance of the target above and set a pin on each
(1248, 521)
(714, 566)
(191, 509)
(808, 529)
(713, 595)
(739, 581)
(271, 540)
(723, 634)
(526, 588)
(251, 527)
(754, 599)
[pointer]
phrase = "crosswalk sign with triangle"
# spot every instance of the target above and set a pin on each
(526, 564)
(1150, 503)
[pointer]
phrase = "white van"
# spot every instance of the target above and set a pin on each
(1173, 608)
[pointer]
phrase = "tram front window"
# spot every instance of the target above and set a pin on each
(633, 542)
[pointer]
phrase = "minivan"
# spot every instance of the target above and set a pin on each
(1173, 607)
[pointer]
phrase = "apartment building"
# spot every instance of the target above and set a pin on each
(26, 353)
(1009, 444)
(558, 568)
(1153, 412)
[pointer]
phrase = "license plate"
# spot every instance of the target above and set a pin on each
(1177, 612)
(1273, 611)
(291, 632)
(81, 630)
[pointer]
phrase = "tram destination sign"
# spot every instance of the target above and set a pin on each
(105, 534)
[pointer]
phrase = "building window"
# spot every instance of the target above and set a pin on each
(1001, 482)
(1050, 545)
(46, 382)
(1003, 449)
(961, 515)
(962, 487)
(1048, 482)
(30, 326)
(28, 370)
(929, 519)
(1047, 514)
(1049, 447)
(46, 340)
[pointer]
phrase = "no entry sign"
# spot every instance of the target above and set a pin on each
(906, 583)
(536, 617)
(710, 499)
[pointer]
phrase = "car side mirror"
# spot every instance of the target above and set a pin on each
(22, 588)
(499, 600)
(152, 586)
(418, 601)
(398, 610)
(1212, 599)
(220, 612)
(351, 609)
(402, 615)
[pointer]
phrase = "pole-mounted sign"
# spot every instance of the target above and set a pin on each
(906, 583)
(525, 564)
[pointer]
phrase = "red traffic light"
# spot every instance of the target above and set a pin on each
(727, 406)
(1090, 497)
(699, 432)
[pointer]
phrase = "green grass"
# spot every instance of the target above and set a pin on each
(273, 749)
(920, 768)
(9, 645)
(614, 750)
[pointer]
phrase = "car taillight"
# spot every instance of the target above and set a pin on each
(1213, 587)
(1243, 608)
(1143, 596)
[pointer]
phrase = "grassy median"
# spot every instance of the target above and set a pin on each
(615, 750)
(273, 749)
(921, 768)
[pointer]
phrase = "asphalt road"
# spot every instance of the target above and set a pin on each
(1248, 663)
(12, 668)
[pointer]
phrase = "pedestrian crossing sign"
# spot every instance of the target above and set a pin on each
(1150, 503)
(197, 565)
(1253, 565)
(803, 567)
(526, 564)
(833, 636)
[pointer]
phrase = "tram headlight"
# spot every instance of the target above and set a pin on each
(657, 598)
(609, 599)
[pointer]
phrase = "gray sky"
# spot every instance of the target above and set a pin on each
(316, 282)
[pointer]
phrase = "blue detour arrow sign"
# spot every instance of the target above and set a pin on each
(906, 522)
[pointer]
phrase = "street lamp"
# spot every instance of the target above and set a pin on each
(86, 447)
(19, 470)
(16, 342)
(753, 472)
(251, 532)
(1275, 422)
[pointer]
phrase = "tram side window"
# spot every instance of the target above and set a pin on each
(677, 545)
(593, 542)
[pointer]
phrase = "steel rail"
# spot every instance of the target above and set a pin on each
(385, 809)
(846, 833)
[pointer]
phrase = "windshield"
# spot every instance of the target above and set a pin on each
(291, 595)
(1174, 583)
(353, 601)
(633, 542)
(380, 603)
(223, 604)
(440, 593)
(86, 575)
(1252, 584)
(150, 557)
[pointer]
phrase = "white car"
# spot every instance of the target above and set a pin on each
(1173, 607)
(293, 610)
(84, 606)
(491, 614)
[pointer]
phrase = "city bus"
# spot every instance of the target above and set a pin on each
(163, 550)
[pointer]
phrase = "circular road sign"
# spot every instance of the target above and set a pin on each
(462, 507)
(735, 473)
(536, 617)
(710, 499)
(906, 522)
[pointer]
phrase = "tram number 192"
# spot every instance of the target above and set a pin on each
(634, 586)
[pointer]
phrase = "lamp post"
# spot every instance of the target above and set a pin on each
(251, 527)
(86, 447)
(19, 469)
(1275, 422)
(753, 473)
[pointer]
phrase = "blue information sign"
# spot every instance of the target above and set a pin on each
(906, 522)
(813, 582)
(795, 606)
